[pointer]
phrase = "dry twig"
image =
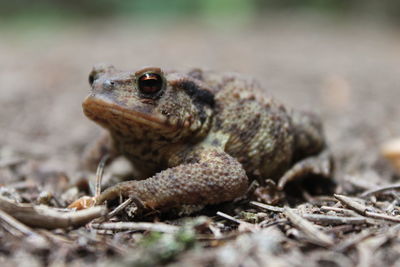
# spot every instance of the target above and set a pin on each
(329, 219)
(267, 207)
(115, 211)
(136, 226)
(314, 235)
(364, 210)
(341, 210)
(11, 222)
(243, 224)
(50, 218)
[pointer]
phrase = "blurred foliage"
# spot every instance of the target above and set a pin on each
(154, 10)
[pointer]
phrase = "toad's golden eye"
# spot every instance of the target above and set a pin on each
(150, 83)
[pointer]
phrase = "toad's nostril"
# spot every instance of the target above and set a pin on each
(91, 79)
(108, 84)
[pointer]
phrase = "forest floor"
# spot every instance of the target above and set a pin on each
(346, 71)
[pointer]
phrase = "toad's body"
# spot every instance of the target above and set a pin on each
(197, 137)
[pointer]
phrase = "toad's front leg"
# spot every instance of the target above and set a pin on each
(213, 178)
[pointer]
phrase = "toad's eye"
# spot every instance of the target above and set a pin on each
(150, 83)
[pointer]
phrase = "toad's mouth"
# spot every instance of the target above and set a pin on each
(110, 114)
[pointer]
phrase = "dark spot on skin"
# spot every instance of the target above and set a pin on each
(202, 114)
(162, 138)
(215, 142)
(196, 93)
(91, 79)
(199, 96)
(218, 123)
(252, 129)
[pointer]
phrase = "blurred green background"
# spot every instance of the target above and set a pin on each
(155, 11)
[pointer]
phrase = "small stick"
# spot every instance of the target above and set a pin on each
(267, 207)
(380, 190)
(344, 211)
(354, 205)
(226, 216)
(46, 217)
(37, 241)
(309, 229)
(265, 224)
(247, 226)
(133, 226)
(363, 210)
(381, 216)
(116, 211)
(120, 207)
(215, 231)
(328, 219)
(9, 220)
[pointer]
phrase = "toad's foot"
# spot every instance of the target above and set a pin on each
(320, 165)
(215, 177)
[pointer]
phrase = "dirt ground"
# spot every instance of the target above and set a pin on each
(346, 71)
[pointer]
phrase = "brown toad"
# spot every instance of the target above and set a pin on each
(198, 137)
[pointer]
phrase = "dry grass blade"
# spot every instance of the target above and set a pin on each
(134, 226)
(47, 217)
(99, 174)
(314, 235)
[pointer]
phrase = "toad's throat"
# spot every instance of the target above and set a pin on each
(112, 115)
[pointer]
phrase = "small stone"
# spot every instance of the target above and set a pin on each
(391, 151)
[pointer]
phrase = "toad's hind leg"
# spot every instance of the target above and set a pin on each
(320, 165)
(311, 157)
(213, 178)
